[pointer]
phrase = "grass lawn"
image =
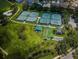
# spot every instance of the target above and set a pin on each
(31, 38)
(4, 5)
(46, 57)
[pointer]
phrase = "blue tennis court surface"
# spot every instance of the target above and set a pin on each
(45, 18)
(23, 16)
(33, 16)
(56, 19)
(25, 13)
(28, 16)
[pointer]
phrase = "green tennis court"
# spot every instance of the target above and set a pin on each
(47, 32)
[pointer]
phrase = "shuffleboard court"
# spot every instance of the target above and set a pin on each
(56, 19)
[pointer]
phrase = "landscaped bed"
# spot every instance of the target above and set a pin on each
(46, 57)
(32, 41)
(4, 5)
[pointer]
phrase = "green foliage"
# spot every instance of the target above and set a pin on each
(71, 37)
(4, 4)
(14, 8)
(21, 32)
(1, 54)
(25, 6)
(4, 37)
(75, 54)
(66, 16)
(56, 9)
(36, 6)
(61, 48)
(15, 55)
(46, 57)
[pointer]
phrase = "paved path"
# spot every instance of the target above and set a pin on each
(72, 22)
(57, 57)
(9, 2)
(49, 26)
(69, 55)
(3, 51)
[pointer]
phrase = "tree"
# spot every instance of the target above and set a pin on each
(72, 38)
(4, 37)
(15, 55)
(40, 0)
(36, 6)
(21, 33)
(66, 16)
(1, 55)
(75, 54)
(14, 8)
(3, 22)
(61, 48)
(12, 0)
(25, 5)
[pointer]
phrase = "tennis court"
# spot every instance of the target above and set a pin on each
(45, 19)
(23, 16)
(47, 33)
(28, 16)
(32, 17)
(51, 18)
(56, 19)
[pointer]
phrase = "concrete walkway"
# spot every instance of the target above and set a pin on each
(72, 23)
(69, 55)
(3, 51)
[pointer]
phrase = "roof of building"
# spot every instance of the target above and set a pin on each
(8, 13)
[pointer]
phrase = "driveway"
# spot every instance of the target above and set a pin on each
(68, 56)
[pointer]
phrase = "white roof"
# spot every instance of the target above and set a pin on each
(46, 5)
(72, 22)
(58, 38)
(8, 13)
